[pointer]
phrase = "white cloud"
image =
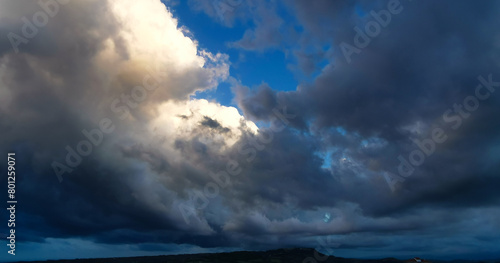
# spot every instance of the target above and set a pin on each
(183, 120)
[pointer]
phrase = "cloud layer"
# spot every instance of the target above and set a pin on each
(181, 170)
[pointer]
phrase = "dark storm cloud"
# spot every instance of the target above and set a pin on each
(257, 105)
(344, 131)
(393, 92)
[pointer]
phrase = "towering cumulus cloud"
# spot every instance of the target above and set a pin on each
(97, 93)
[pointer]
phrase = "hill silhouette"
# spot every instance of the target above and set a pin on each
(292, 255)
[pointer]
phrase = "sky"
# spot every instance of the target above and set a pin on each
(364, 129)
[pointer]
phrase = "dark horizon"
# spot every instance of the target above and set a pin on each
(306, 253)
